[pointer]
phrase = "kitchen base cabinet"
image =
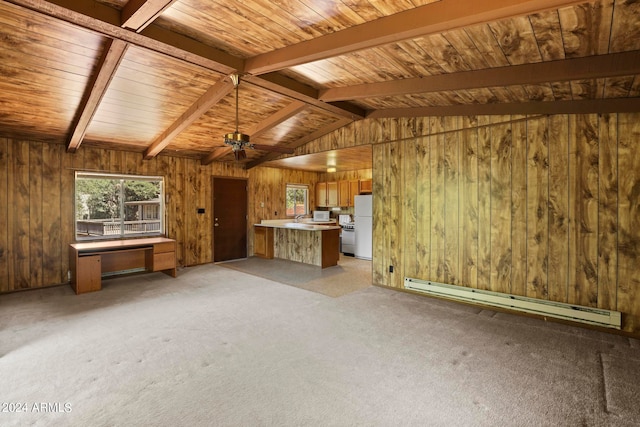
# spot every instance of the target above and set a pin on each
(316, 245)
(263, 242)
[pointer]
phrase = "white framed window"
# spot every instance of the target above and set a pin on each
(297, 199)
(109, 206)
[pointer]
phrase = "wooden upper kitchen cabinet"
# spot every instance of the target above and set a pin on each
(347, 191)
(327, 194)
(366, 186)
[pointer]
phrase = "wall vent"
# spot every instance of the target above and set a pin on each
(575, 313)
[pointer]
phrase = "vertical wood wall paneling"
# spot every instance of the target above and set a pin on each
(396, 219)
(583, 164)
(5, 255)
(190, 214)
(519, 208)
(469, 203)
(608, 212)
(558, 207)
(20, 275)
(629, 217)
(484, 203)
(180, 197)
(35, 214)
(379, 213)
(423, 208)
(436, 144)
(51, 222)
(537, 208)
(409, 171)
(70, 163)
(501, 206)
(386, 217)
(451, 201)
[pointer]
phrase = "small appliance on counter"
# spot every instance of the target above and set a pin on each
(344, 219)
(321, 216)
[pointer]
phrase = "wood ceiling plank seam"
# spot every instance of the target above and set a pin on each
(20, 77)
(216, 92)
(223, 21)
(618, 87)
(405, 59)
(539, 92)
(515, 37)
(466, 48)
(363, 9)
(625, 31)
(415, 51)
(562, 91)
(548, 33)
(487, 45)
(404, 25)
(443, 53)
(610, 65)
(427, 58)
(381, 60)
(113, 54)
(275, 119)
(584, 25)
(138, 14)
(102, 20)
(265, 9)
(341, 122)
(584, 106)
(27, 52)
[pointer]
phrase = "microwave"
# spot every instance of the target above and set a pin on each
(321, 215)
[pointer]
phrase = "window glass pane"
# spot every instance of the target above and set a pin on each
(296, 200)
(114, 206)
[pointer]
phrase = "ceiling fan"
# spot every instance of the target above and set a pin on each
(239, 141)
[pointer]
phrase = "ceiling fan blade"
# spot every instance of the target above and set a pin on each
(275, 148)
(240, 154)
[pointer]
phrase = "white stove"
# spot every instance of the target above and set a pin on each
(348, 239)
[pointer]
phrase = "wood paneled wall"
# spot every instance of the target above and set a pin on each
(546, 207)
(36, 204)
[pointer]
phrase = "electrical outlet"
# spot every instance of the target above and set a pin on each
(262, 204)
(391, 269)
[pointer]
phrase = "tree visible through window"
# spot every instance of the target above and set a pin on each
(112, 206)
(297, 199)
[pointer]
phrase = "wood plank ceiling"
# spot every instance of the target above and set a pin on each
(151, 76)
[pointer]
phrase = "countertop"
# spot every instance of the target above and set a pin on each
(300, 226)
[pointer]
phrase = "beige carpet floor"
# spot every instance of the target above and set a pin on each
(350, 275)
(219, 347)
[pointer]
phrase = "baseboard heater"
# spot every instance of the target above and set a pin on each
(576, 313)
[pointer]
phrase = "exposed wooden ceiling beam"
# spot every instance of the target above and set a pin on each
(611, 65)
(432, 18)
(102, 19)
(286, 86)
(217, 153)
(591, 106)
(135, 16)
(138, 14)
(275, 119)
(211, 97)
(114, 52)
(300, 142)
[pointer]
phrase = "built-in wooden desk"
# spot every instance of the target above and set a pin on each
(90, 261)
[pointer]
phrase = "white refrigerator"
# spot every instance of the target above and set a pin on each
(363, 218)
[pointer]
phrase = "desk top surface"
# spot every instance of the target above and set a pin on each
(117, 244)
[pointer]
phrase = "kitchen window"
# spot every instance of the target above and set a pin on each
(111, 206)
(297, 199)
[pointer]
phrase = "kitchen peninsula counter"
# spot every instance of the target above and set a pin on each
(315, 244)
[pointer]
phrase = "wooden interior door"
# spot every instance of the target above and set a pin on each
(230, 200)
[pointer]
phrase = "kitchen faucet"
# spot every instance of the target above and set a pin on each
(297, 217)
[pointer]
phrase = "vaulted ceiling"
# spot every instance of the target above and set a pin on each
(152, 76)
